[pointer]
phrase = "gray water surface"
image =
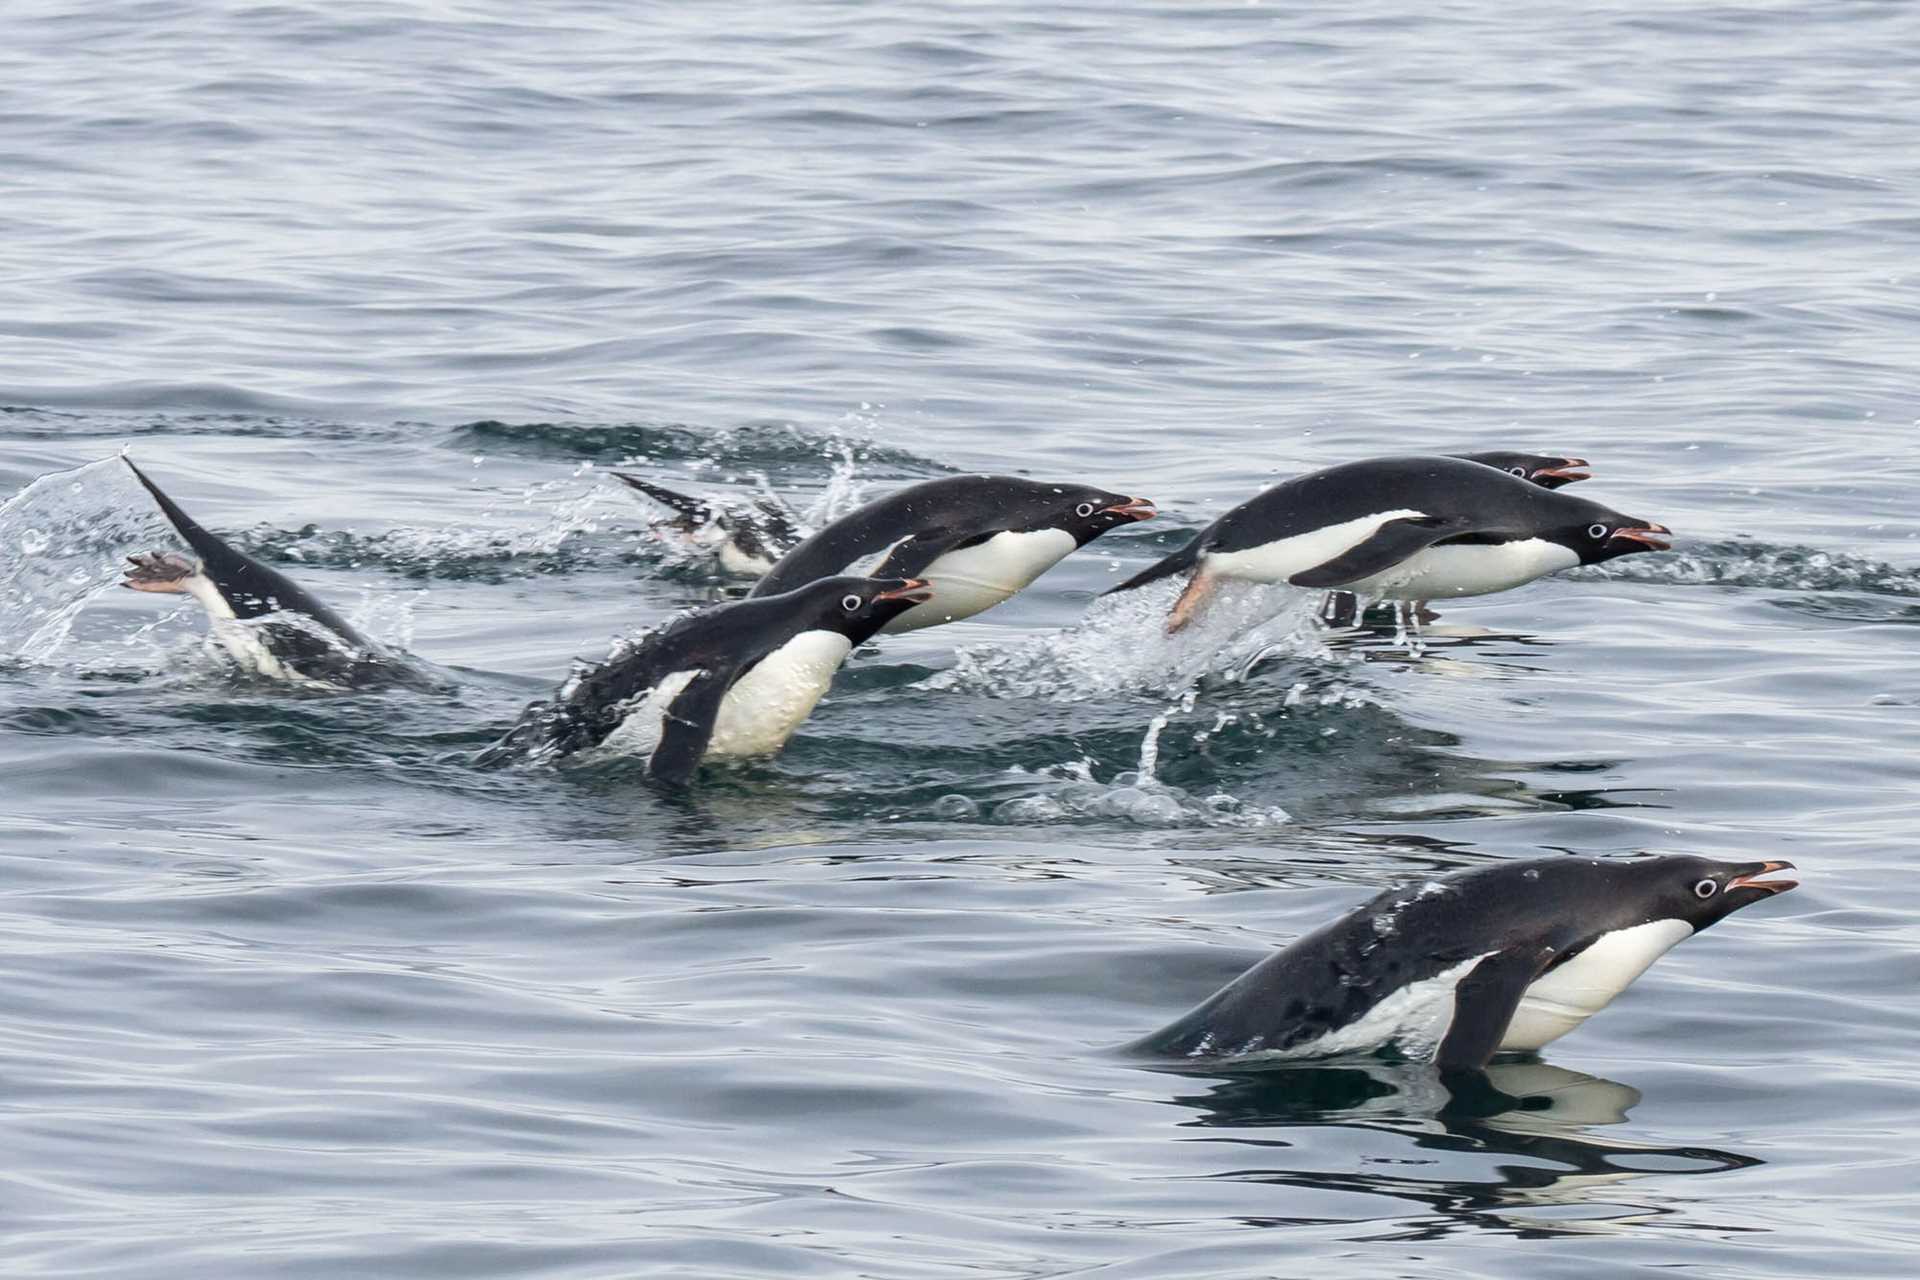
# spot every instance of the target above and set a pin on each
(380, 290)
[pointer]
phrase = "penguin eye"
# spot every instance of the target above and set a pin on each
(851, 603)
(1598, 531)
(1705, 889)
(1517, 471)
(1084, 510)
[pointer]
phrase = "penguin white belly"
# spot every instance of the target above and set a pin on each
(1280, 559)
(1570, 994)
(1467, 569)
(742, 564)
(767, 704)
(242, 642)
(974, 579)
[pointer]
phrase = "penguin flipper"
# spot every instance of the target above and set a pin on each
(1484, 1004)
(687, 728)
(1385, 547)
(909, 557)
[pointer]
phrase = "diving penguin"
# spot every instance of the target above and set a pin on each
(1412, 528)
(976, 539)
(265, 621)
(746, 539)
(731, 680)
(1500, 959)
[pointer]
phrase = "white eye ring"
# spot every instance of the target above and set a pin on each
(1705, 889)
(1084, 510)
(1598, 531)
(1517, 471)
(851, 603)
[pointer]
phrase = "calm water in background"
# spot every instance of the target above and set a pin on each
(287, 990)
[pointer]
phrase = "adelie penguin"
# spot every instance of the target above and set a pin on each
(977, 540)
(1342, 608)
(1412, 528)
(745, 539)
(729, 681)
(1501, 959)
(266, 622)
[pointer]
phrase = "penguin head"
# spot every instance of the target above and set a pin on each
(1544, 470)
(1703, 892)
(1083, 511)
(859, 607)
(1597, 534)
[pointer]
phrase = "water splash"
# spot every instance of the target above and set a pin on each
(1121, 645)
(1737, 563)
(64, 537)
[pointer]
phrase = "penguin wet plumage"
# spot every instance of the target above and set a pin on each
(238, 592)
(728, 681)
(1409, 528)
(976, 539)
(745, 539)
(1499, 959)
(1549, 471)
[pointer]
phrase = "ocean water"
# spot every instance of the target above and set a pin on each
(380, 290)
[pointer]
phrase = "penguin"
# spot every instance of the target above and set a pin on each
(1500, 959)
(1342, 608)
(1547, 472)
(731, 680)
(746, 539)
(320, 649)
(976, 539)
(1411, 528)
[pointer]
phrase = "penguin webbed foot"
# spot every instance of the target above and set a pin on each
(159, 571)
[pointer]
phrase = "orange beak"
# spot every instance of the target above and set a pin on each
(1752, 879)
(1647, 536)
(918, 590)
(1133, 509)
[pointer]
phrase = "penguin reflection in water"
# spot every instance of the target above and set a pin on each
(1414, 528)
(1501, 959)
(266, 622)
(733, 680)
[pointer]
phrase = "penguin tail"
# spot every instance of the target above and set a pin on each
(684, 511)
(1179, 562)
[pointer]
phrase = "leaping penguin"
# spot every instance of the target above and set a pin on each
(1412, 528)
(746, 539)
(728, 681)
(977, 540)
(1342, 608)
(1501, 959)
(315, 646)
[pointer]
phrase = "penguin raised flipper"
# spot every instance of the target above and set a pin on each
(320, 647)
(977, 540)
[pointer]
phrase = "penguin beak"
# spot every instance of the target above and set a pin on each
(1646, 536)
(1569, 470)
(1751, 879)
(918, 590)
(1133, 509)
